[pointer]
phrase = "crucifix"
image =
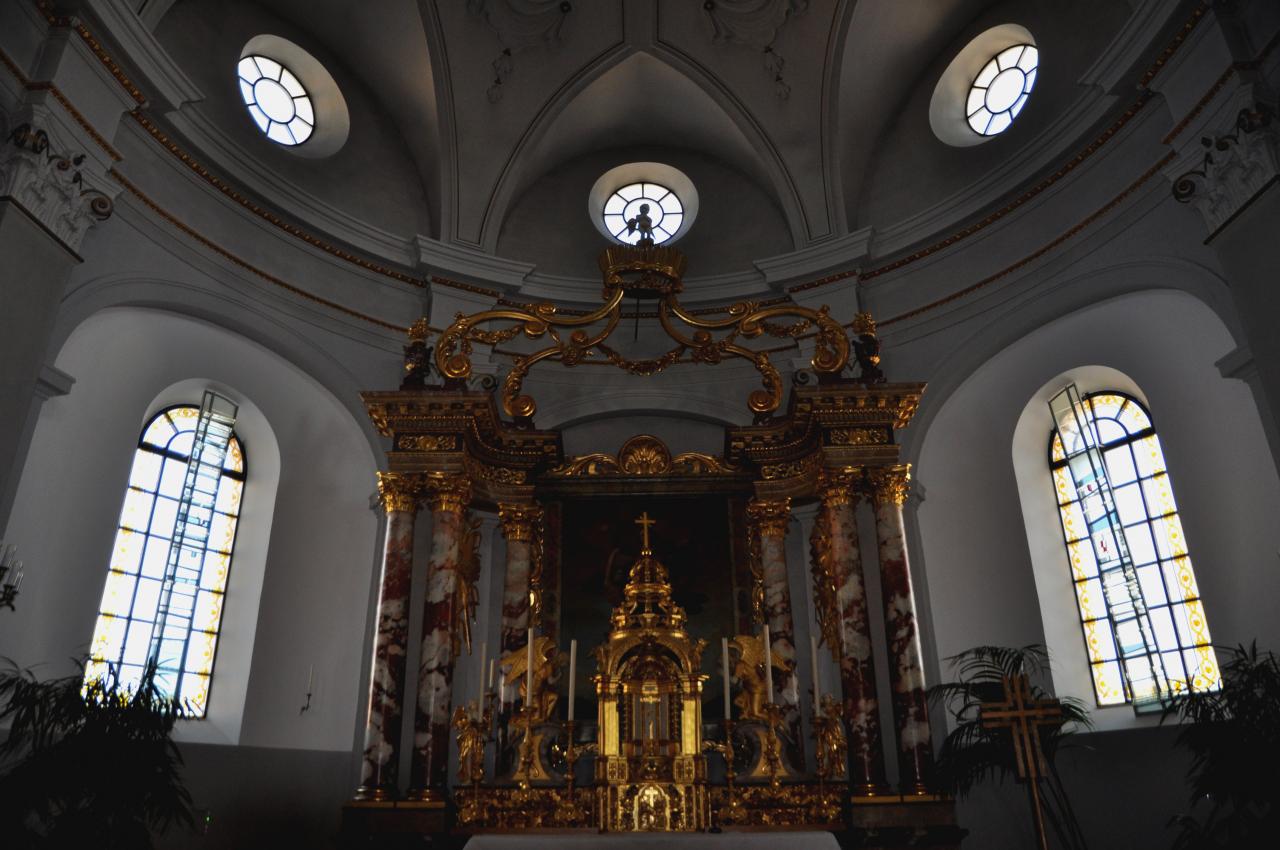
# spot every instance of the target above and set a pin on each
(1023, 715)
(644, 522)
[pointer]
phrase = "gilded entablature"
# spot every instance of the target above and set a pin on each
(642, 455)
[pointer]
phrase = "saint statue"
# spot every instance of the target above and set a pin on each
(642, 223)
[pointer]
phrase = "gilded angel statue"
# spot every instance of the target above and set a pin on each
(748, 669)
(470, 744)
(832, 743)
(546, 666)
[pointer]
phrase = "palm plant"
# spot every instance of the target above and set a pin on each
(972, 754)
(88, 764)
(1234, 737)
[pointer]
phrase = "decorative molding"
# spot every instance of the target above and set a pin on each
(519, 25)
(818, 258)
(642, 455)
(49, 185)
(755, 24)
(52, 382)
(147, 201)
(458, 260)
(143, 49)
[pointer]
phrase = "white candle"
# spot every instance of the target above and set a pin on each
(768, 664)
(817, 685)
(573, 674)
(491, 662)
(484, 649)
(724, 656)
(311, 677)
(528, 673)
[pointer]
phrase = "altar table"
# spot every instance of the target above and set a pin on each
(658, 841)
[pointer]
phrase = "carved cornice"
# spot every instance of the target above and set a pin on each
(890, 484)
(447, 493)
(399, 493)
(769, 517)
(520, 521)
(642, 455)
(49, 185)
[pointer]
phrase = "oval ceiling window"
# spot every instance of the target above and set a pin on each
(985, 87)
(280, 106)
(291, 98)
(1001, 89)
(643, 195)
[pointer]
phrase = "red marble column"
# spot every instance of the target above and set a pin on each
(842, 602)
(767, 520)
(521, 526)
(448, 496)
(906, 666)
(399, 495)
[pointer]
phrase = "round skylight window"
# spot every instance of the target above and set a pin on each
(280, 106)
(637, 204)
(1001, 89)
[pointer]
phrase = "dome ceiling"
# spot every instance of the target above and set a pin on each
(812, 102)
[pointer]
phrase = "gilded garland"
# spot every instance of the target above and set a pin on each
(641, 270)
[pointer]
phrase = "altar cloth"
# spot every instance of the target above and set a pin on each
(656, 840)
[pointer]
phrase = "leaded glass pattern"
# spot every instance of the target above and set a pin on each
(1148, 514)
(659, 203)
(1001, 89)
(127, 615)
(278, 103)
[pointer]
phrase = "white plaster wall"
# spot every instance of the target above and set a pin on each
(976, 551)
(319, 558)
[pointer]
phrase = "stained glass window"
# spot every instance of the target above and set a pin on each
(659, 203)
(122, 637)
(1182, 655)
(1001, 89)
(280, 106)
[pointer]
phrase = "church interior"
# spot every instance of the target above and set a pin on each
(552, 423)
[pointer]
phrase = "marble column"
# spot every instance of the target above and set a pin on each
(906, 665)
(399, 495)
(768, 520)
(448, 497)
(522, 527)
(841, 595)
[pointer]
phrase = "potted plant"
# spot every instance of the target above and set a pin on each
(1233, 734)
(88, 764)
(972, 754)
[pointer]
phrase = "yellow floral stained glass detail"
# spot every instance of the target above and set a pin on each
(1108, 684)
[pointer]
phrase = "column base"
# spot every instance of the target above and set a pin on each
(375, 794)
(427, 795)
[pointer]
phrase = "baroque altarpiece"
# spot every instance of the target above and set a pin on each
(695, 721)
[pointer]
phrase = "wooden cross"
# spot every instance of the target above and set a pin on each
(644, 522)
(1023, 715)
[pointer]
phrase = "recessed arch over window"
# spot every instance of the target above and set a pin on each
(131, 600)
(1157, 644)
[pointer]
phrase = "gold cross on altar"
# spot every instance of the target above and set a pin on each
(1023, 715)
(644, 522)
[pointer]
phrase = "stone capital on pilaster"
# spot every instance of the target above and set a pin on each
(519, 520)
(447, 492)
(769, 517)
(839, 485)
(398, 492)
(890, 483)
(48, 182)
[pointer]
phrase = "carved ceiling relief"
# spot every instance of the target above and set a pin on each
(755, 23)
(519, 25)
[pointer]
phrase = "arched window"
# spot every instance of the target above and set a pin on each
(142, 615)
(1143, 622)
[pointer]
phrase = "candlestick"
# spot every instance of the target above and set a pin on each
(528, 677)
(573, 674)
(724, 655)
(817, 685)
(768, 664)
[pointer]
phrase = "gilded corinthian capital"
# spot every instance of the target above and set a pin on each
(399, 492)
(448, 493)
(519, 521)
(889, 483)
(839, 486)
(769, 517)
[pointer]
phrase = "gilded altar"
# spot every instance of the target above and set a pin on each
(650, 770)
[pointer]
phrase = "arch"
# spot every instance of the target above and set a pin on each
(717, 122)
